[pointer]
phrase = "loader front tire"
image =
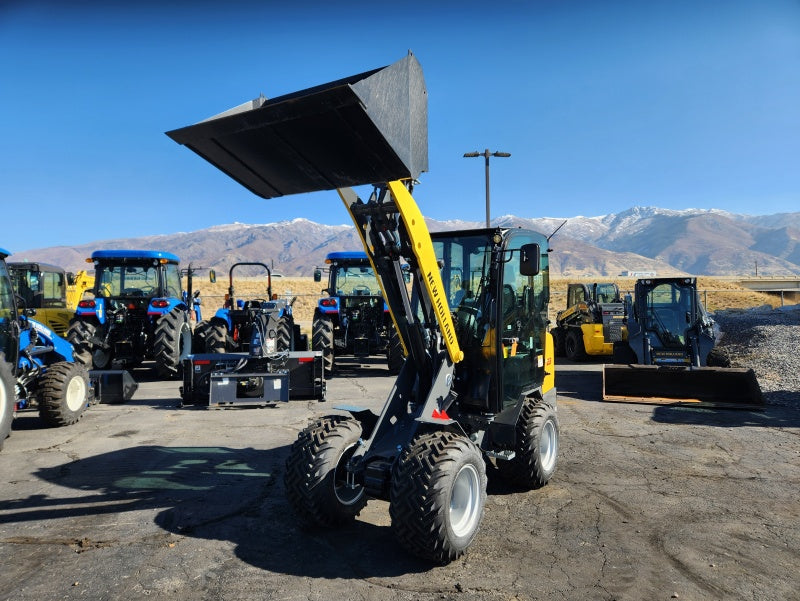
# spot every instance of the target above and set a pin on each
(173, 343)
(573, 345)
(322, 340)
(437, 495)
(536, 453)
(8, 398)
(558, 341)
(316, 478)
(63, 393)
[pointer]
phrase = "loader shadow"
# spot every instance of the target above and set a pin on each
(217, 493)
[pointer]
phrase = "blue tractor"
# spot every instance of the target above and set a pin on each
(353, 319)
(139, 312)
(36, 366)
(240, 324)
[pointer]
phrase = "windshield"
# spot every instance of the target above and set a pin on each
(354, 280)
(669, 311)
(465, 261)
(126, 280)
(40, 289)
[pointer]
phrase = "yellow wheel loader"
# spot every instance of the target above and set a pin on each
(591, 323)
(477, 384)
(49, 290)
(668, 354)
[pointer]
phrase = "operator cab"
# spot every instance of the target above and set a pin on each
(499, 307)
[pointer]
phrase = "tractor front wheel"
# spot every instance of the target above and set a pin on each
(7, 399)
(173, 343)
(437, 496)
(536, 452)
(316, 475)
(322, 340)
(63, 393)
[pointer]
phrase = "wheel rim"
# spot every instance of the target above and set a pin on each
(101, 358)
(548, 445)
(464, 507)
(345, 494)
(76, 393)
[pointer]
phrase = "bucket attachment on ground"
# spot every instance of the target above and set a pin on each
(369, 128)
(113, 385)
(702, 386)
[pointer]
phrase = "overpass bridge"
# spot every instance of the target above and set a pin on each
(783, 285)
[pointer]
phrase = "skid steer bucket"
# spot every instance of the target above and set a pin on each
(702, 386)
(370, 128)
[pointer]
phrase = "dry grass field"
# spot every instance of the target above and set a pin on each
(717, 293)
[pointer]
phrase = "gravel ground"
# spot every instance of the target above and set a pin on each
(766, 340)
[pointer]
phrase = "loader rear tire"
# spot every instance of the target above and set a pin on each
(322, 340)
(437, 495)
(173, 343)
(8, 398)
(217, 337)
(536, 453)
(63, 393)
(394, 354)
(573, 345)
(316, 478)
(80, 335)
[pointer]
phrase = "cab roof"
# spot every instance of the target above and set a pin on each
(347, 255)
(133, 255)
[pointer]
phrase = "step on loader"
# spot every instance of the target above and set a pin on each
(477, 384)
(668, 353)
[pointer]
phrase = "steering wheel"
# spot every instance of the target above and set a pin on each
(251, 305)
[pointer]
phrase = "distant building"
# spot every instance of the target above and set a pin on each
(638, 274)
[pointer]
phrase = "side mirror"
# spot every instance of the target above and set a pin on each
(317, 275)
(212, 276)
(530, 259)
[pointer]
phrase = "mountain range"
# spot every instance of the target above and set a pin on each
(669, 242)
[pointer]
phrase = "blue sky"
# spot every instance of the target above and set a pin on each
(603, 105)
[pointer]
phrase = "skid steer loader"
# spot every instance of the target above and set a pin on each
(668, 354)
(477, 385)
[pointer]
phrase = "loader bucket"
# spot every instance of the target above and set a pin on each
(703, 386)
(370, 128)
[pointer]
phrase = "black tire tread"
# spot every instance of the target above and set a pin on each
(51, 393)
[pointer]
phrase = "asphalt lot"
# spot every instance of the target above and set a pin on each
(150, 500)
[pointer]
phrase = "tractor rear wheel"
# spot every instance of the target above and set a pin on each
(437, 495)
(322, 340)
(173, 343)
(199, 337)
(316, 478)
(217, 337)
(63, 393)
(7, 398)
(573, 345)
(536, 453)
(80, 335)
(283, 342)
(394, 353)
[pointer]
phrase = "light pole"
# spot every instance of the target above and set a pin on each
(487, 154)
